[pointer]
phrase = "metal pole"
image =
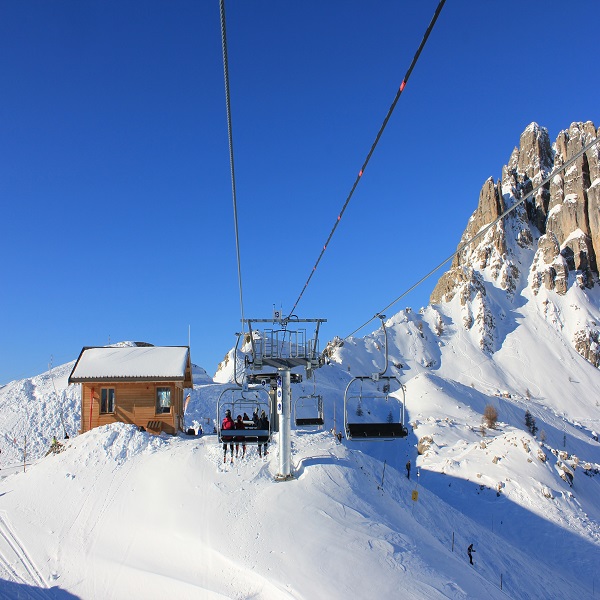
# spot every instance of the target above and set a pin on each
(334, 425)
(285, 428)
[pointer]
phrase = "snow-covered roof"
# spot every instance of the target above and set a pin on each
(152, 363)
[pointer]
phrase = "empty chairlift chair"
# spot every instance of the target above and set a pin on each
(372, 410)
(308, 411)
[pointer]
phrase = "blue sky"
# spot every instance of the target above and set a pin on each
(117, 219)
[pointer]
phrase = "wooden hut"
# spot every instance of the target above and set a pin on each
(139, 385)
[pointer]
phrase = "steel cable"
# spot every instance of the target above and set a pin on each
(481, 233)
(373, 146)
(231, 161)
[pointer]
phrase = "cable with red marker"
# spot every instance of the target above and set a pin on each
(379, 134)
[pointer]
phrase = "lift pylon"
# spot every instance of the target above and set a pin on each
(284, 346)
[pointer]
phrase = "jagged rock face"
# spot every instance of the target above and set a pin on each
(549, 266)
(457, 278)
(568, 207)
(529, 166)
(570, 210)
(565, 211)
(587, 343)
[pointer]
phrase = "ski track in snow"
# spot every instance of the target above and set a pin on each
(15, 560)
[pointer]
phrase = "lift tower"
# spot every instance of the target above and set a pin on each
(284, 346)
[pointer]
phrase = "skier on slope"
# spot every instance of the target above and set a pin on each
(470, 551)
(55, 447)
(227, 424)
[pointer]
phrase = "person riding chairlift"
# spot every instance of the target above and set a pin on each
(227, 424)
(239, 424)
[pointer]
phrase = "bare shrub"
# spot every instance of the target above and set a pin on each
(490, 416)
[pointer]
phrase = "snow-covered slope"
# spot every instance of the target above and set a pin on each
(110, 515)
(122, 514)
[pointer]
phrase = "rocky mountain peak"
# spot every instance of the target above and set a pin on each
(551, 241)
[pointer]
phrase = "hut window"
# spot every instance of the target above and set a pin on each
(163, 399)
(107, 400)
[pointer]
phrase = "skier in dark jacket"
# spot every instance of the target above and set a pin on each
(227, 424)
(239, 424)
(408, 469)
(263, 423)
(470, 551)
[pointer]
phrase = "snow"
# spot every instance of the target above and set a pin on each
(124, 514)
(554, 210)
(574, 235)
(131, 362)
(572, 169)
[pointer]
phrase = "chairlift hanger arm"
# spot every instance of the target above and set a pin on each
(235, 360)
(314, 356)
(251, 337)
(382, 319)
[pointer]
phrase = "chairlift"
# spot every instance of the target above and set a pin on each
(369, 397)
(312, 405)
(240, 401)
(373, 394)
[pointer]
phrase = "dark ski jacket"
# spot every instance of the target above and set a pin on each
(239, 425)
(263, 423)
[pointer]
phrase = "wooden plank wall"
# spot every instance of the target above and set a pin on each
(135, 402)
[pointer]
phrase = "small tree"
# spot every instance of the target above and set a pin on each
(530, 423)
(490, 416)
(359, 410)
(528, 419)
(390, 417)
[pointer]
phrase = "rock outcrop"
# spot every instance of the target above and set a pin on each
(560, 223)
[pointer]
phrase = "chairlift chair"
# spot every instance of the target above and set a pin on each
(311, 404)
(372, 394)
(240, 401)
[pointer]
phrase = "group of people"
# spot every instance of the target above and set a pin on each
(258, 422)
